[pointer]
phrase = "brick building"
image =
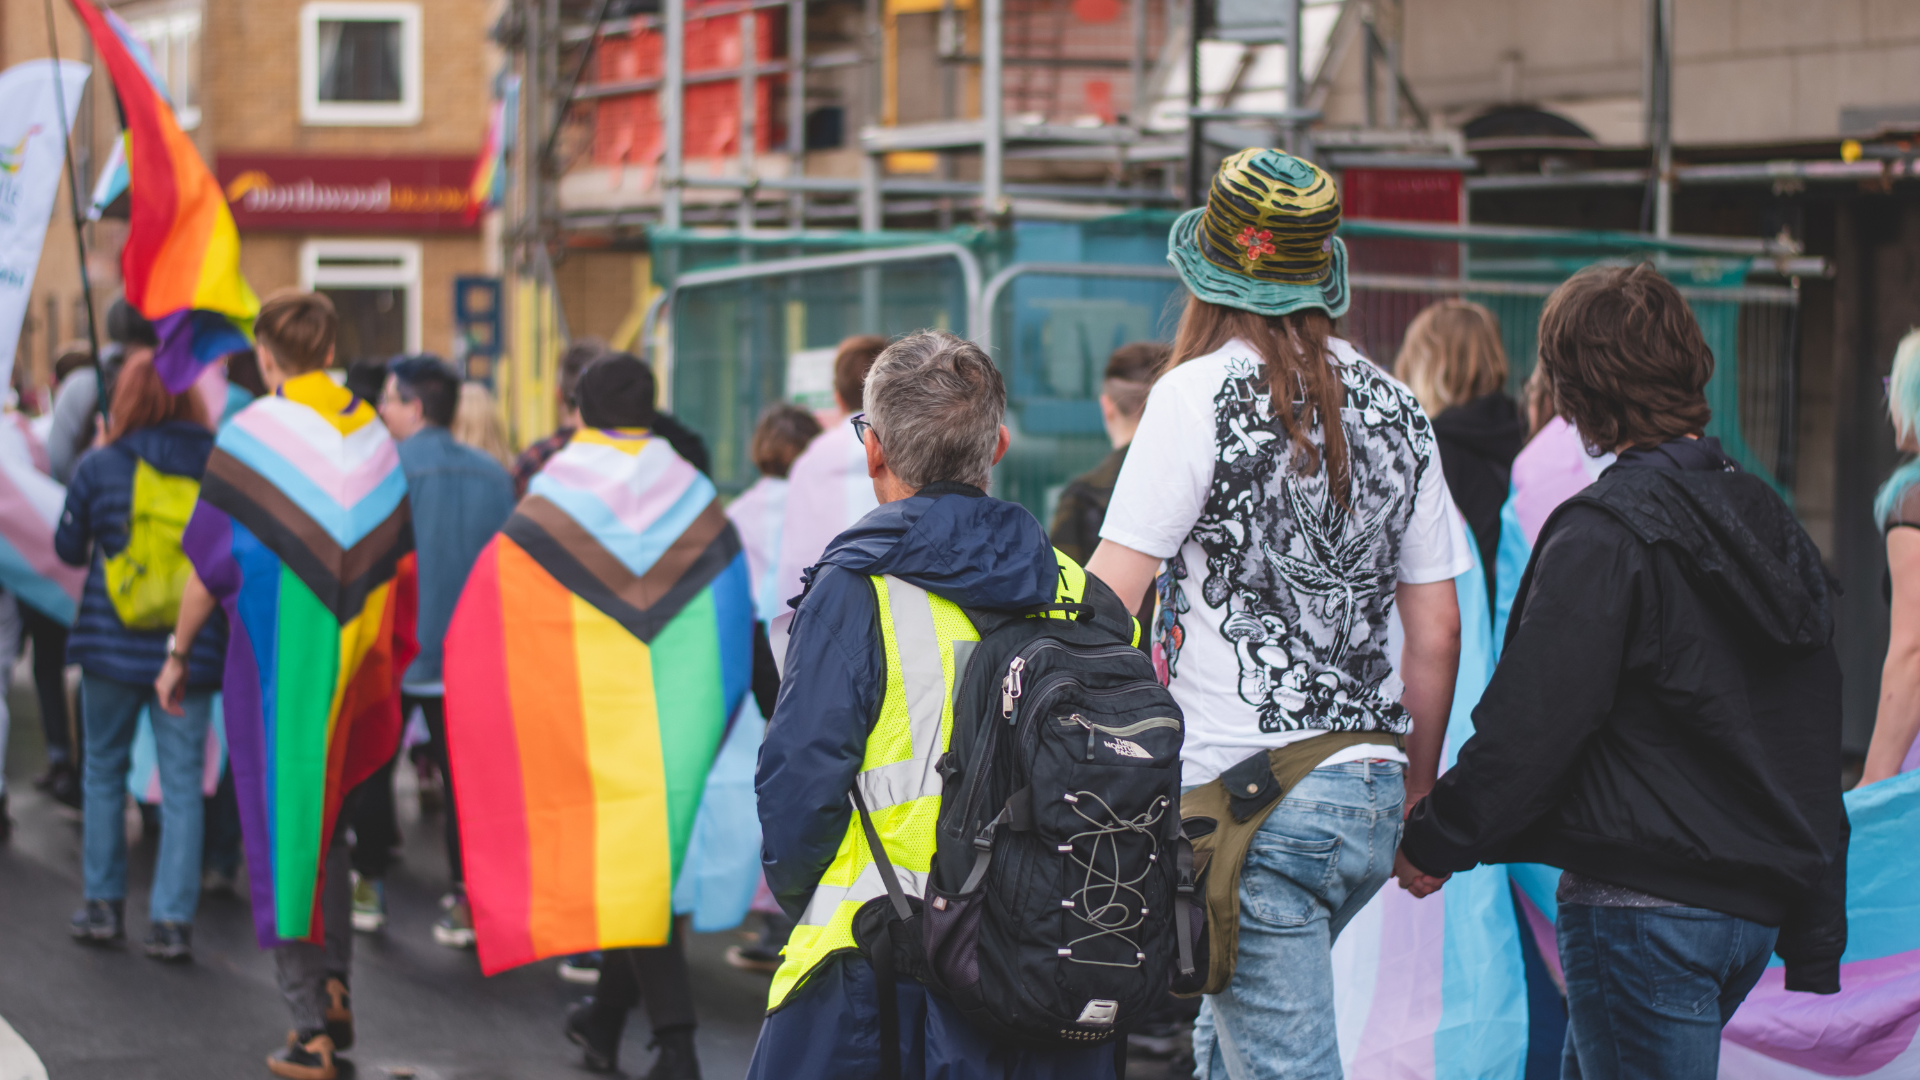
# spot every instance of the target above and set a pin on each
(344, 131)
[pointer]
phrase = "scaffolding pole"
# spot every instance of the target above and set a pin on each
(992, 106)
(672, 102)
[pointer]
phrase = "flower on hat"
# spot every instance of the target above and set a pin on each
(1257, 243)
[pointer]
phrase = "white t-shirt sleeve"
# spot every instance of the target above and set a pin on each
(1435, 546)
(1163, 485)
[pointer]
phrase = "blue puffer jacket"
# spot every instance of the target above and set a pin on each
(93, 528)
(978, 552)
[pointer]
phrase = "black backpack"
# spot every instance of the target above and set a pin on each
(1061, 882)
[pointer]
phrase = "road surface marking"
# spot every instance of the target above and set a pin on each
(17, 1059)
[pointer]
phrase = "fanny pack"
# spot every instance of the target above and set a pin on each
(1220, 818)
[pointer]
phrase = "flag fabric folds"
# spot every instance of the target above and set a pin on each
(1436, 988)
(594, 664)
(30, 506)
(181, 261)
(303, 532)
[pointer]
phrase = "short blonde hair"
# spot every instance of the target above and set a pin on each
(298, 329)
(1451, 355)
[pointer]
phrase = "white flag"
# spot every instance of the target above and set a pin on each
(31, 159)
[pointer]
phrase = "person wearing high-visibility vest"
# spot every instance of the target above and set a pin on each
(865, 704)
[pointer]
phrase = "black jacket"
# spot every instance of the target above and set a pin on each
(1478, 442)
(1666, 712)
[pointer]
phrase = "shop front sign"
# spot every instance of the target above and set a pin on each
(347, 194)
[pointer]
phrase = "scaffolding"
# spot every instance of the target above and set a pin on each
(801, 170)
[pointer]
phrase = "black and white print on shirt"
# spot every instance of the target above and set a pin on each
(1303, 586)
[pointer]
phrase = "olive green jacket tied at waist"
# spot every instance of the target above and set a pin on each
(1220, 818)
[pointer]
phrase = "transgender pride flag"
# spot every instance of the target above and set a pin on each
(1867, 1029)
(1436, 988)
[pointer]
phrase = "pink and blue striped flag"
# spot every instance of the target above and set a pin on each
(30, 507)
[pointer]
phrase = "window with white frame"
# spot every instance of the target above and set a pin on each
(375, 289)
(171, 35)
(360, 62)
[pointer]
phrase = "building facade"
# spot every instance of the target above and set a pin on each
(344, 132)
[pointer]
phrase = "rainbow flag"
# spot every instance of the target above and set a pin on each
(486, 188)
(30, 506)
(181, 261)
(594, 664)
(303, 532)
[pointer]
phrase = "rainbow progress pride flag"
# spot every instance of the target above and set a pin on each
(303, 532)
(181, 261)
(595, 661)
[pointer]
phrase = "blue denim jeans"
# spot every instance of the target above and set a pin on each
(112, 712)
(1648, 989)
(1316, 861)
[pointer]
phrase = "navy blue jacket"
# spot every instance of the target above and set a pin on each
(460, 498)
(978, 552)
(93, 529)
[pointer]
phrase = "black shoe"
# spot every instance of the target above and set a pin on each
(66, 789)
(99, 922)
(170, 941)
(676, 1060)
(6, 823)
(308, 1055)
(339, 1013)
(597, 1035)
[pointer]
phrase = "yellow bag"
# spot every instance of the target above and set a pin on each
(146, 580)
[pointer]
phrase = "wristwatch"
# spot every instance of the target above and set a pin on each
(174, 653)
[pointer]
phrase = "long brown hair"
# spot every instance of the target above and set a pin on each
(1295, 370)
(140, 400)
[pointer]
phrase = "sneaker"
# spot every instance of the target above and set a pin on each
(99, 922)
(308, 1055)
(455, 926)
(582, 968)
(755, 957)
(597, 1035)
(170, 941)
(429, 784)
(219, 883)
(6, 823)
(339, 1016)
(62, 782)
(369, 905)
(676, 1060)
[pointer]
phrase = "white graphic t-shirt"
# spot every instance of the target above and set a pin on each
(1274, 600)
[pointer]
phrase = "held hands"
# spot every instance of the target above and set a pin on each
(1410, 877)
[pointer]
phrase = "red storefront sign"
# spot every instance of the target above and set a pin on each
(347, 194)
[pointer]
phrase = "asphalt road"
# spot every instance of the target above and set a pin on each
(421, 1010)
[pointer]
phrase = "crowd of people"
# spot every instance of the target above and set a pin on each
(1287, 522)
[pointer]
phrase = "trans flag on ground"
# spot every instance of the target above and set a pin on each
(595, 662)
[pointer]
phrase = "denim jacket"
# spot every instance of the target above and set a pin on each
(460, 498)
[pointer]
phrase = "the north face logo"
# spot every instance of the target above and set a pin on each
(1127, 748)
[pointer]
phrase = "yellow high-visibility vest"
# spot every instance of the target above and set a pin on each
(898, 779)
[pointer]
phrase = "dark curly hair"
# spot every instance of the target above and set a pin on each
(1625, 359)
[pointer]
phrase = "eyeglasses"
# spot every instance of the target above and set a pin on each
(861, 425)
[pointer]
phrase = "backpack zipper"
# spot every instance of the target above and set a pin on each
(1123, 731)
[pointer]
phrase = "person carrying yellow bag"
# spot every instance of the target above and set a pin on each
(129, 500)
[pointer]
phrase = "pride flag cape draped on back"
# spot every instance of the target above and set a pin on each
(303, 532)
(594, 663)
(181, 262)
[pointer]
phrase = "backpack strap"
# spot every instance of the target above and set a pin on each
(886, 980)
